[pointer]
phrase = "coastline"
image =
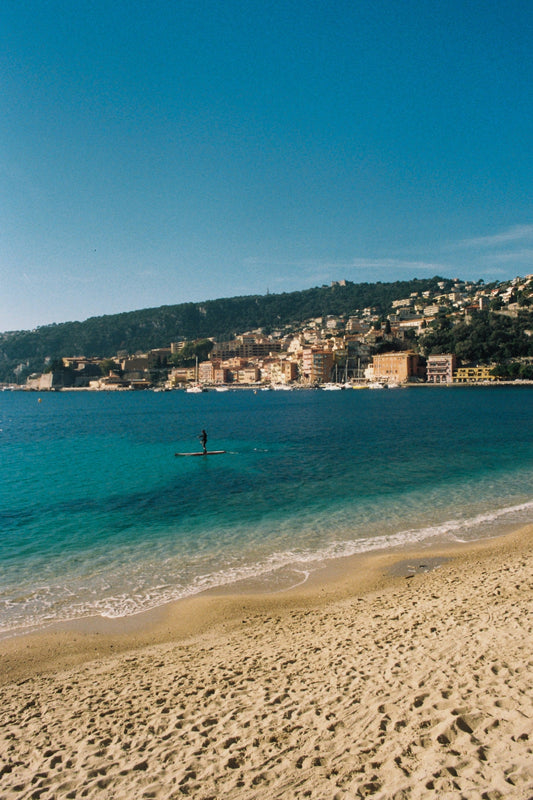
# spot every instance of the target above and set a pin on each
(401, 674)
(115, 525)
(236, 387)
(62, 644)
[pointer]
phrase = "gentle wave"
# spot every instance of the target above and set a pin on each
(97, 517)
(54, 606)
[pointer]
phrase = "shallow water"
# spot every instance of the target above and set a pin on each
(98, 516)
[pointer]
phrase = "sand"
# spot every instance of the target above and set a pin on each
(374, 681)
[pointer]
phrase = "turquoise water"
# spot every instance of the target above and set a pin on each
(98, 516)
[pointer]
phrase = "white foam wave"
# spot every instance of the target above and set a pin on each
(303, 560)
(52, 604)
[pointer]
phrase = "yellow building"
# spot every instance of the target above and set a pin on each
(180, 375)
(473, 375)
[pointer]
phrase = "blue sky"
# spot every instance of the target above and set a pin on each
(161, 152)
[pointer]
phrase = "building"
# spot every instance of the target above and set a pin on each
(247, 375)
(412, 322)
(222, 375)
(397, 367)
(83, 366)
(317, 365)
(79, 377)
(290, 370)
(405, 303)
(40, 383)
(440, 368)
(473, 374)
(213, 372)
(206, 370)
(180, 375)
(111, 382)
(144, 362)
(295, 344)
(245, 346)
(236, 363)
(279, 370)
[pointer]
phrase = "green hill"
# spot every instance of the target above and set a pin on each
(23, 352)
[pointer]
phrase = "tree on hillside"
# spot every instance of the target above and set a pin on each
(487, 337)
(109, 365)
(190, 351)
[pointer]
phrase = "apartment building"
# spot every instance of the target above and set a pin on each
(247, 375)
(206, 370)
(317, 365)
(440, 368)
(245, 347)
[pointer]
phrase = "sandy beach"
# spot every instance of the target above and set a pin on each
(404, 675)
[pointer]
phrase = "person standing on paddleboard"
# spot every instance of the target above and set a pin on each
(203, 439)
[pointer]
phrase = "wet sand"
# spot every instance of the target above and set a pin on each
(401, 675)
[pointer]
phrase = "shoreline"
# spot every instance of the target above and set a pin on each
(286, 577)
(400, 676)
(266, 386)
(65, 643)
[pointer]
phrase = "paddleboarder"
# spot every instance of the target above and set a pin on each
(204, 452)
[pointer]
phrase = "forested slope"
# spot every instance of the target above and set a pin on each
(224, 318)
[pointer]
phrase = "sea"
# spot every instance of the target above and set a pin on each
(99, 517)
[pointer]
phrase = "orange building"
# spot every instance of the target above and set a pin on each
(397, 367)
(317, 365)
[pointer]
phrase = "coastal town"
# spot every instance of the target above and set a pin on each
(330, 352)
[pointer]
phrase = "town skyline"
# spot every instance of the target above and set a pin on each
(411, 343)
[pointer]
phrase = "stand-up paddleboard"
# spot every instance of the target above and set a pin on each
(209, 453)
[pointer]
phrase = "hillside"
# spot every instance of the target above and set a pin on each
(23, 352)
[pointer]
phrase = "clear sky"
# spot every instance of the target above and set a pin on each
(156, 152)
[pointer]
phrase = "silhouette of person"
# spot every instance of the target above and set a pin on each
(203, 439)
